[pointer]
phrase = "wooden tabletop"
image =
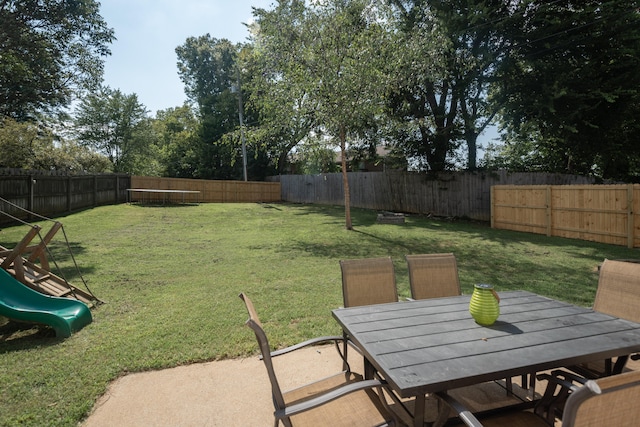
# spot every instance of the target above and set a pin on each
(434, 345)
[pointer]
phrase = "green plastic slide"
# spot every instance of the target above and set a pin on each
(18, 302)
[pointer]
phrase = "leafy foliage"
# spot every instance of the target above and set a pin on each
(330, 56)
(424, 78)
(177, 131)
(50, 50)
(212, 76)
(439, 87)
(32, 146)
(117, 126)
(572, 84)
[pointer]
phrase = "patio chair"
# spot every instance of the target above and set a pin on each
(433, 275)
(367, 281)
(608, 401)
(436, 276)
(344, 399)
(618, 295)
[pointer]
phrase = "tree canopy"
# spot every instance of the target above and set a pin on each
(27, 145)
(331, 57)
(570, 94)
(116, 125)
(425, 78)
(50, 50)
(210, 71)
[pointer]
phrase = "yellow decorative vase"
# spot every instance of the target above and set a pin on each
(484, 306)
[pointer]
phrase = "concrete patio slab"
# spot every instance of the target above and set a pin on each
(234, 392)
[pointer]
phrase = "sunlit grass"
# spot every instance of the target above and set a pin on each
(170, 277)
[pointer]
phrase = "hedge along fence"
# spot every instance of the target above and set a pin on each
(601, 213)
(210, 191)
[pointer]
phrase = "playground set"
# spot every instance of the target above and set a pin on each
(30, 292)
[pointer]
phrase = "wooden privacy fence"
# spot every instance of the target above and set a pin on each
(50, 195)
(600, 213)
(452, 194)
(209, 191)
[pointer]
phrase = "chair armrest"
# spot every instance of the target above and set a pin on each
(554, 378)
(312, 341)
(569, 376)
(465, 415)
(328, 397)
(551, 403)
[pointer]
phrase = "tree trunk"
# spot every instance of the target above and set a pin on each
(472, 146)
(345, 180)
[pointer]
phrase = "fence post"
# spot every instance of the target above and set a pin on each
(492, 201)
(549, 211)
(630, 221)
(32, 189)
(69, 194)
(95, 190)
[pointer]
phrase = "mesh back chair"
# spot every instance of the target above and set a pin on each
(618, 291)
(609, 401)
(368, 281)
(618, 295)
(433, 275)
(344, 399)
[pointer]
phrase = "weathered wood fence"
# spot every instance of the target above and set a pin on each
(600, 213)
(454, 194)
(210, 191)
(51, 194)
(603, 213)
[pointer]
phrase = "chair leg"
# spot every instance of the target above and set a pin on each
(343, 353)
(532, 384)
(619, 365)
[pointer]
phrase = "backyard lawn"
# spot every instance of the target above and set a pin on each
(170, 279)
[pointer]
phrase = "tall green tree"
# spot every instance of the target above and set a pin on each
(439, 93)
(208, 68)
(285, 112)
(423, 98)
(332, 52)
(479, 33)
(177, 130)
(571, 92)
(117, 125)
(50, 50)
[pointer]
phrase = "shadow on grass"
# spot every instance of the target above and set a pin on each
(551, 265)
(16, 336)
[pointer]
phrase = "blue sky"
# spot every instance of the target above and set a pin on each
(143, 58)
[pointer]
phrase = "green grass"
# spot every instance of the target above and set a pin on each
(170, 277)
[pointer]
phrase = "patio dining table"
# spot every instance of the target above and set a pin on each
(434, 345)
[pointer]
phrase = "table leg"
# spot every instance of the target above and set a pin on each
(418, 411)
(369, 370)
(443, 414)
